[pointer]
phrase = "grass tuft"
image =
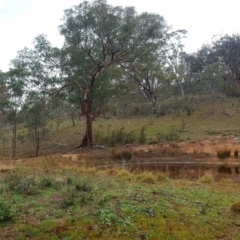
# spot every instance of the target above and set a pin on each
(146, 177)
(207, 178)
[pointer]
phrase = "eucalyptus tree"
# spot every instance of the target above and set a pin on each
(4, 106)
(148, 74)
(15, 82)
(174, 59)
(37, 113)
(40, 68)
(227, 50)
(98, 39)
(212, 82)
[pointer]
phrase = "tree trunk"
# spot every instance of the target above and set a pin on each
(87, 139)
(14, 141)
(73, 120)
(37, 139)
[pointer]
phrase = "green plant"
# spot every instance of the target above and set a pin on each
(22, 183)
(107, 217)
(172, 135)
(6, 212)
(83, 186)
(48, 182)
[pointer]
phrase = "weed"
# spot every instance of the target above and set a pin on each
(48, 182)
(6, 212)
(107, 217)
(223, 154)
(83, 186)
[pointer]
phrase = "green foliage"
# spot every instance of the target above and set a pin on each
(21, 183)
(107, 217)
(172, 135)
(6, 212)
(113, 137)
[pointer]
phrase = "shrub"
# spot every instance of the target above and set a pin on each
(224, 169)
(127, 155)
(172, 135)
(22, 184)
(236, 152)
(5, 211)
(223, 154)
(48, 182)
(160, 136)
(122, 155)
(236, 207)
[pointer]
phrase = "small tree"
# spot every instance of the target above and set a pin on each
(15, 83)
(37, 114)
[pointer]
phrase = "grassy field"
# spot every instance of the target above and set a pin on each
(201, 124)
(56, 198)
(64, 195)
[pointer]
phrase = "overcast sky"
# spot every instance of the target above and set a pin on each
(22, 20)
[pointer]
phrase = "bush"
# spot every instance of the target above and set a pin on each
(236, 152)
(223, 154)
(224, 169)
(236, 207)
(123, 155)
(5, 211)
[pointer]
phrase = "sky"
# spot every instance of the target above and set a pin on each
(22, 20)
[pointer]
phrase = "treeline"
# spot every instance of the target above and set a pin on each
(111, 53)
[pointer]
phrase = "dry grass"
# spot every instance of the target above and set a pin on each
(207, 178)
